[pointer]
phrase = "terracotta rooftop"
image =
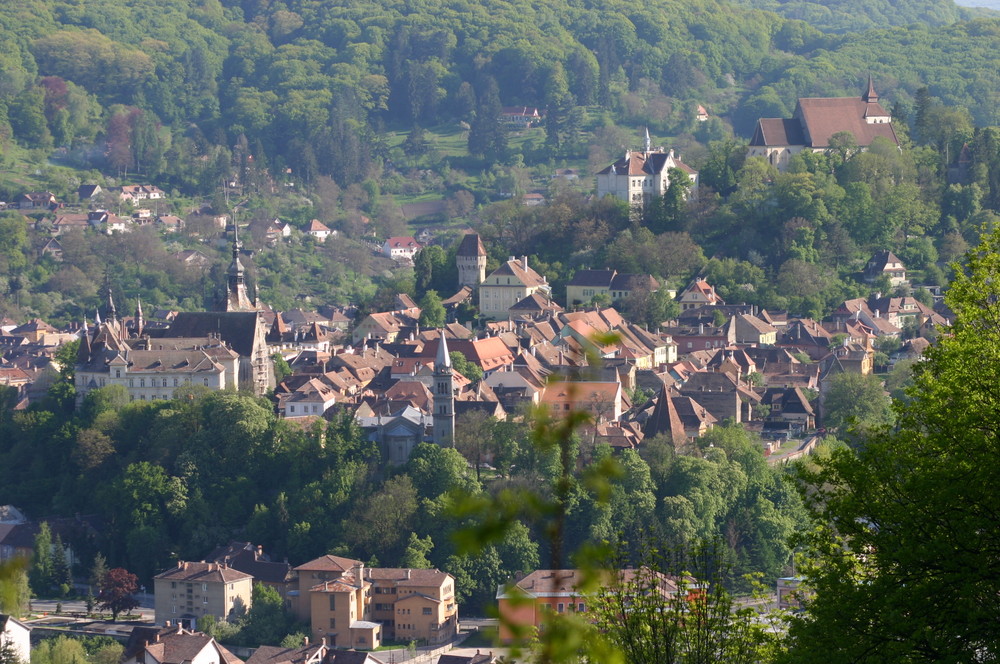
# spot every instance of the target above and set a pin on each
(328, 563)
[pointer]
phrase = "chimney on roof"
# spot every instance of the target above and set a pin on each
(166, 623)
(524, 262)
(305, 640)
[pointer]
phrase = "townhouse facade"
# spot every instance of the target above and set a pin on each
(354, 606)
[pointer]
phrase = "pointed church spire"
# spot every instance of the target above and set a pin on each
(236, 290)
(443, 360)
(444, 397)
(649, 143)
(109, 308)
(97, 317)
(870, 95)
(85, 350)
(236, 239)
(138, 317)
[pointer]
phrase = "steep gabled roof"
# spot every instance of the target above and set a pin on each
(665, 420)
(778, 132)
(471, 245)
(825, 116)
(328, 563)
(238, 329)
(592, 278)
(524, 275)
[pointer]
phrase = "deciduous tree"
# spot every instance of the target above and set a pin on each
(857, 399)
(117, 592)
(902, 560)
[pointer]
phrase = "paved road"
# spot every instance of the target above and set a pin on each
(78, 608)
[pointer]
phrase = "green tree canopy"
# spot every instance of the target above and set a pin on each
(432, 313)
(857, 399)
(902, 559)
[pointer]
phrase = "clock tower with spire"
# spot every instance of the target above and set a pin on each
(237, 298)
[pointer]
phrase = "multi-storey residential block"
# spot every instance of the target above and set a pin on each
(192, 590)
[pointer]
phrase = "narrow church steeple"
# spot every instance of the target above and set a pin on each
(138, 317)
(109, 308)
(444, 397)
(870, 95)
(236, 290)
(83, 353)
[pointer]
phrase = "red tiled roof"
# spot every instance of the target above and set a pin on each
(825, 116)
(328, 563)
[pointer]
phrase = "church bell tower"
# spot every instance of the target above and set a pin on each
(237, 298)
(444, 397)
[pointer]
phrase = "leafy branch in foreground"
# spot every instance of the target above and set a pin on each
(675, 608)
(671, 609)
(903, 560)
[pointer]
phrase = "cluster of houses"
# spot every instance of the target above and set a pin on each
(28, 357)
(715, 362)
(61, 219)
(762, 369)
(403, 601)
(346, 603)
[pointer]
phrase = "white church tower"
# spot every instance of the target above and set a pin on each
(444, 397)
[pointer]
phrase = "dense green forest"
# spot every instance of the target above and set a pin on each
(174, 479)
(312, 85)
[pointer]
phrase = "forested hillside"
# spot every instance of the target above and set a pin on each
(312, 84)
(850, 16)
(345, 111)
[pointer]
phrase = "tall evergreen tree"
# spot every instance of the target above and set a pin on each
(62, 574)
(487, 135)
(42, 563)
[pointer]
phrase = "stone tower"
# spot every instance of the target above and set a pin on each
(444, 397)
(471, 259)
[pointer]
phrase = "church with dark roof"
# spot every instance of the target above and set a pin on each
(816, 120)
(220, 350)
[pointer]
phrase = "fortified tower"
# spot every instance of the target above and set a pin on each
(471, 259)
